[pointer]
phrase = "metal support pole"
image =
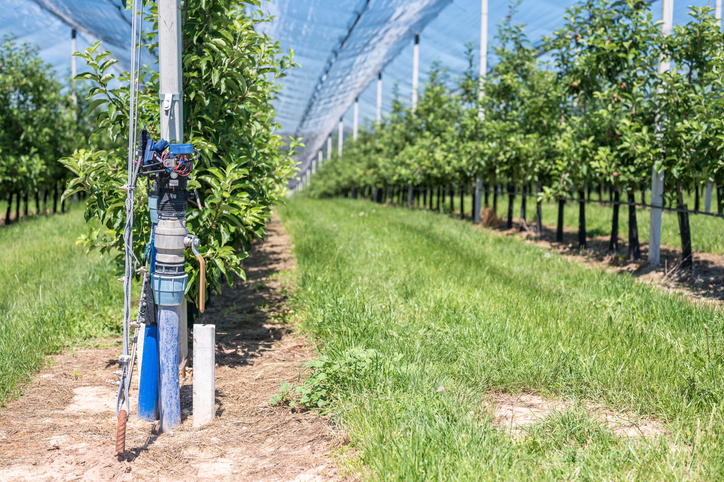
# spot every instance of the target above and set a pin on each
(657, 178)
(710, 185)
(320, 158)
(477, 205)
(171, 230)
(169, 46)
(410, 196)
(329, 147)
(379, 98)
(73, 64)
(415, 70)
(340, 138)
(355, 123)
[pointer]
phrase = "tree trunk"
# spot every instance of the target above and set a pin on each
(55, 198)
(37, 202)
(462, 201)
(634, 249)
(559, 226)
(26, 211)
(45, 202)
(523, 207)
(438, 198)
(696, 197)
(600, 193)
(495, 200)
(9, 209)
(581, 219)
(485, 190)
(511, 200)
(17, 207)
(424, 197)
(684, 231)
(613, 243)
(539, 213)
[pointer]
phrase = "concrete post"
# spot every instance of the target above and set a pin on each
(340, 138)
(477, 205)
(710, 185)
(379, 98)
(320, 158)
(355, 123)
(415, 70)
(204, 374)
(657, 178)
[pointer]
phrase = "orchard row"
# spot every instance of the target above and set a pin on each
(607, 100)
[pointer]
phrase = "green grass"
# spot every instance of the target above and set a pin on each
(404, 302)
(707, 232)
(52, 294)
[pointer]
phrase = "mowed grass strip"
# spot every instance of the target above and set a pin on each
(51, 294)
(420, 317)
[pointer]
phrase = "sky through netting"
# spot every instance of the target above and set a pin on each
(341, 45)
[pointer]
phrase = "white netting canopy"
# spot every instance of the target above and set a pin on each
(342, 45)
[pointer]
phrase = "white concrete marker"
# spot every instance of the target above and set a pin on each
(204, 374)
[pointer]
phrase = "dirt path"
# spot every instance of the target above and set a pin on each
(63, 427)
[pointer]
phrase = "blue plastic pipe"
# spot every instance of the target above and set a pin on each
(168, 325)
(148, 382)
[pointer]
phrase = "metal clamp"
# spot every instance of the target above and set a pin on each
(168, 100)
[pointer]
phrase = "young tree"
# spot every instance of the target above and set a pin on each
(229, 78)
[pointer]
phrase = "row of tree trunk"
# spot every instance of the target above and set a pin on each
(435, 198)
(17, 199)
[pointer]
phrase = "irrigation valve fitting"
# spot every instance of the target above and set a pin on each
(168, 167)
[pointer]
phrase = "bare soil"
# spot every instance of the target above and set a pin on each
(514, 412)
(63, 427)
